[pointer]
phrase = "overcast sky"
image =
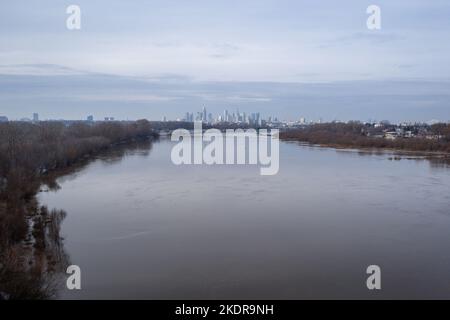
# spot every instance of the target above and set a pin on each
(146, 59)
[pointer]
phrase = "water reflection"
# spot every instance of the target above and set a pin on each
(136, 148)
(439, 163)
(31, 268)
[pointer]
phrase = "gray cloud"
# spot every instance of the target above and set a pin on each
(76, 95)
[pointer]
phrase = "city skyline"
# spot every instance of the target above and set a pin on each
(253, 118)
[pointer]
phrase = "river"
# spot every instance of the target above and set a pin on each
(140, 227)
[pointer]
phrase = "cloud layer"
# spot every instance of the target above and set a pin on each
(167, 57)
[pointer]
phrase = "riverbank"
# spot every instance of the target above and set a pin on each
(393, 151)
(360, 136)
(31, 250)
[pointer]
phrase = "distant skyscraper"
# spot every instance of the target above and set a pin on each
(204, 115)
(35, 117)
(3, 119)
(90, 118)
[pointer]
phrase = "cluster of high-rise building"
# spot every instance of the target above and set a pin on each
(199, 116)
(226, 117)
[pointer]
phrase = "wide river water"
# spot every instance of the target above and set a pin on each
(140, 227)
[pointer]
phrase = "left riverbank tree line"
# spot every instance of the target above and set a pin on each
(30, 246)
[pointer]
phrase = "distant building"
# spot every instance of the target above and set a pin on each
(189, 117)
(35, 117)
(3, 119)
(90, 118)
(204, 115)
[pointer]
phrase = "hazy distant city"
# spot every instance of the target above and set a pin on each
(234, 117)
(255, 120)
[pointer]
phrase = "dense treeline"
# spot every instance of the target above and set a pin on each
(172, 125)
(28, 150)
(358, 135)
(29, 234)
